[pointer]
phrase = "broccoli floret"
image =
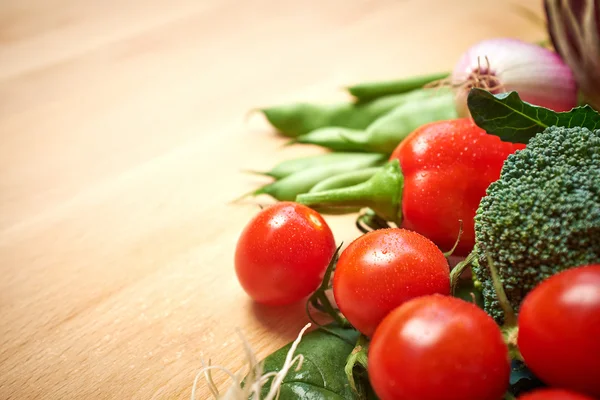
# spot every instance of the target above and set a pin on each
(542, 216)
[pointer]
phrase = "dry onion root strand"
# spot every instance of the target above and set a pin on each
(480, 77)
(255, 378)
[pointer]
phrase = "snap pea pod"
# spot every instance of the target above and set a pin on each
(371, 90)
(383, 135)
(289, 167)
(339, 181)
(286, 189)
(387, 183)
(296, 119)
(345, 179)
(334, 138)
(336, 210)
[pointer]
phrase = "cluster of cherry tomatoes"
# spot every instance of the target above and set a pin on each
(393, 286)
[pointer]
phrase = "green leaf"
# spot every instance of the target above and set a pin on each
(322, 375)
(514, 120)
(522, 379)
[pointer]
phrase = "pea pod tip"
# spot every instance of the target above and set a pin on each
(254, 192)
(251, 112)
(253, 172)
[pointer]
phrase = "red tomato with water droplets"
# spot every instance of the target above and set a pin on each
(383, 269)
(438, 347)
(447, 167)
(559, 330)
(554, 394)
(282, 254)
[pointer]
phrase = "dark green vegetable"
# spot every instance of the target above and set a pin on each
(541, 217)
(289, 167)
(372, 90)
(513, 120)
(322, 374)
(286, 189)
(384, 134)
(299, 118)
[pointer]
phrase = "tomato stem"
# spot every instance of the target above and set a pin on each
(336, 315)
(369, 221)
(511, 334)
(319, 298)
(460, 232)
(458, 270)
(358, 357)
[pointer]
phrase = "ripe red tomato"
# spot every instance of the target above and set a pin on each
(447, 167)
(438, 347)
(553, 394)
(282, 254)
(381, 270)
(559, 330)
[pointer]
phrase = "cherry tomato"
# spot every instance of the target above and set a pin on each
(559, 330)
(553, 394)
(438, 347)
(282, 254)
(447, 167)
(384, 268)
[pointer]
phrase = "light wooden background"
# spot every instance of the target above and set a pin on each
(122, 137)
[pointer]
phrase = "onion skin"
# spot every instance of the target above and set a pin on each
(539, 75)
(574, 28)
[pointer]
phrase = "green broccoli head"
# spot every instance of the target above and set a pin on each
(542, 216)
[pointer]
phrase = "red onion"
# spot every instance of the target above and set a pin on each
(501, 65)
(574, 28)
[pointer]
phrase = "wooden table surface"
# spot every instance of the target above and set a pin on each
(122, 138)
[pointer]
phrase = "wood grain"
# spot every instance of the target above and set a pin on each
(122, 138)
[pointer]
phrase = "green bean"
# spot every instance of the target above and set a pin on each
(296, 119)
(334, 138)
(371, 90)
(288, 188)
(383, 135)
(336, 210)
(289, 167)
(339, 181)
(382, 193)
(345, 179)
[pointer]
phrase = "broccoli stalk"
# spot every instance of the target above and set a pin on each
(542, 216)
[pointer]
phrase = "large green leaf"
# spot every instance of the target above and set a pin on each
(513, 120)
(322, 375)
